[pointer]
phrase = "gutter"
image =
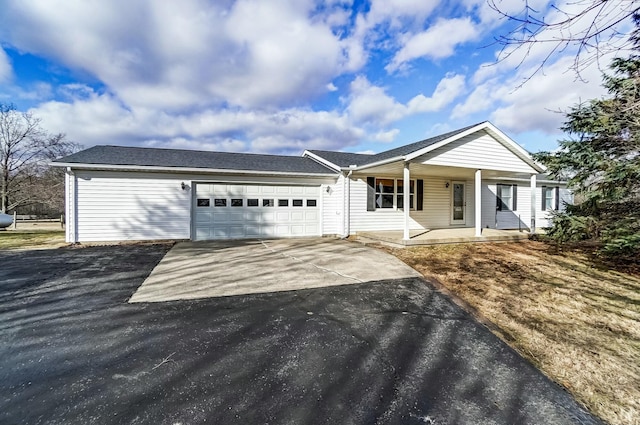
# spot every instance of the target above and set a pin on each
(154, 168)
(352, 168)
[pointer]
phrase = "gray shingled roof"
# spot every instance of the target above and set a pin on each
(344, 159)
(131, 156)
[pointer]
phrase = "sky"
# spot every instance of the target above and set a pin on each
(282, 76)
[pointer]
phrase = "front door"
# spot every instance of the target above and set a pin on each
(458, 203)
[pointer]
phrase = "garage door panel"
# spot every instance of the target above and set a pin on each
(297, 216)
(282, 216)
(235, 211)
(311, 190)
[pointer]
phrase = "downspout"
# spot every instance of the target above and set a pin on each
(71, 209)
(346, 205)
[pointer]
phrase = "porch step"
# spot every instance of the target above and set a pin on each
(395, 240)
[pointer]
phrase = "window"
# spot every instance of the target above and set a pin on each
(506, 197)
(252, 202)
(550, 198)
(236, 202)
(312, 202)
(268, 203)
(297, 202)
(283, 202)
(400, 195)
(203, 202)
(219, 202)
(389, 193)
(385, 193)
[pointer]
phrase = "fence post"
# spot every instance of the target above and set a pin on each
(15, 220)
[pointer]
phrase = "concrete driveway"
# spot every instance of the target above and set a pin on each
(216, 269)
(73, 351)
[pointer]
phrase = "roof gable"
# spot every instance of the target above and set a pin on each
(417, 149)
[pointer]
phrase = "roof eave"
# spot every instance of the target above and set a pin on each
(155, 168)
(321, 160)
(376, 164)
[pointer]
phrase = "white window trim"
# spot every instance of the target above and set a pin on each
(396, 207)
(553, 190)
(499, 194)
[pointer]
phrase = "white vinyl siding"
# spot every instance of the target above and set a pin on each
(436, 212)
(477, 151)
(520, 218)
(543, 218)
(120, 205)
(381, 219)
(332, 197)
(126, 206)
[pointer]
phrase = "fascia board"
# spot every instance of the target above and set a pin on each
(375, 164)
(444, 142)
(185, 170)
(515, 148)
(322, 160)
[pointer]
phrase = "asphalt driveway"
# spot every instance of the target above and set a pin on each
(72, 350)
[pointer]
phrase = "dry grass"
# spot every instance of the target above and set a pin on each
(31, 239)
(578, 323)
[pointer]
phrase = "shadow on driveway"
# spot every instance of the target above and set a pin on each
(391, 352)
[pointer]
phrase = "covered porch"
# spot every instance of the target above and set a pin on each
(441, 236)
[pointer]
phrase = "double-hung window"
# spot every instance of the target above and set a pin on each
(388, 193)
(507, 197)
(385, 193)
(400, 194)
(550, 198)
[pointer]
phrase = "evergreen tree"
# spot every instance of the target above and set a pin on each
(601, 159)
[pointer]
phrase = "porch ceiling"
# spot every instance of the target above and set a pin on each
(417, 169)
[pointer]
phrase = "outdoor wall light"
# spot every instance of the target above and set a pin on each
(446, 185)
(183, 186)
(328, 190)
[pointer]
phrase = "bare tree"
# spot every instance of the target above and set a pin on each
(590, 29)
(25, 149)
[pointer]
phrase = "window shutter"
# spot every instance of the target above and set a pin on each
(557, 198)
(498, 200)
(371, 193)
(514, 195)
(419, 194)
(544, 196)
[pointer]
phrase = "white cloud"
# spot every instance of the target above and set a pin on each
(103, 119)
(534, 106)
(396, 11)
(480, 99)
(370, 104)
(437, 42)
(386, 136)
(6, 71)
(180, 55)
(447, 90)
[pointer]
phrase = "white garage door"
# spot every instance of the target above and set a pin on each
(244, 211)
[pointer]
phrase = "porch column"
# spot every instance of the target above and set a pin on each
(478, 202)
(533, 203)
(406, 204)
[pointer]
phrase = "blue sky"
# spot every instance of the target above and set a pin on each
(280, 76)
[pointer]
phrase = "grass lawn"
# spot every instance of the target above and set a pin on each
(578, 323)
(15, 239)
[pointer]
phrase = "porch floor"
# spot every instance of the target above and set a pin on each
(442, 236)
